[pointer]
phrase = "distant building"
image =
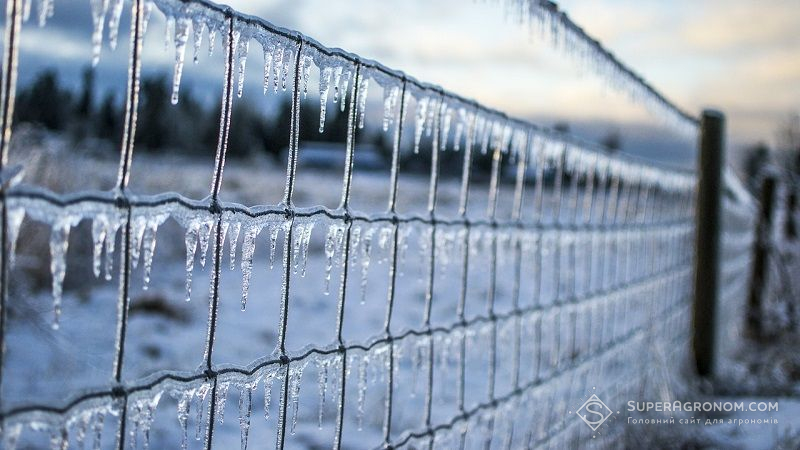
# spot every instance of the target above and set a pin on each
(331, 156)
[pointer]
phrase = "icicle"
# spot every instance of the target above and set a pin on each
(222, 397)
(99, 11)
(324, 85)
(59, 439)
(422, 112)
(97, 429)
(337, 78)
(135, 417)
(113, 23)
(235, 228)
(445, 133)
(45, 11)
(429, 120)
(200, 396)
(147, 423)
(336, 368)
(197, 28)
(138, 225)
(345, 82)
(191, 247)
(277, 64)
(148, 10)
(390, 97)
(268, 51)
(322, 385)
(288, 60)
(295, 376)
(362, 389)
(273, 243)
(269, 377)
(245, 407)
(111, 239)
(459, 133)
(330, 252)
(362, 101)
(204, 235)
(355, 245)
(82, 428)
(366, 249)
(242, 47)
(99, 229)
(26, 10)
(181, 37)
(149, 245)
(297, 243)
(169, 30)
(384, 236)
(143, 419)
(212, 37)
(304, 239)
(305, 69)
(183, 417)
(224, 227)
(248, 248)
(59, 243)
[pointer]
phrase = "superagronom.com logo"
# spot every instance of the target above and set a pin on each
(594, 412)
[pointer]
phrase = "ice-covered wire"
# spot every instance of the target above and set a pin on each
(556, 26)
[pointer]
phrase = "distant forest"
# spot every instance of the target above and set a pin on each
(190, 127)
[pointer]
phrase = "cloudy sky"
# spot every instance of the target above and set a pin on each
(741, 56)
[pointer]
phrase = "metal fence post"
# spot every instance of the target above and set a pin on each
(708, 224)
(761, 258)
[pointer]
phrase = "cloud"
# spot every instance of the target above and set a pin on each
(742, 26)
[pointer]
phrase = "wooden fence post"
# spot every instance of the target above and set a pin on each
(790, 229)
(758, 281)
(708, 224)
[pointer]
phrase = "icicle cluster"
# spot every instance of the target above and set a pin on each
(334, 251)
(140, 417)
(334, 81)
(556, 26)
(84, 426)
(368, 242)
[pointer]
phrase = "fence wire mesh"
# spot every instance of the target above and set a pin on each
(739, 221)
(555, 269)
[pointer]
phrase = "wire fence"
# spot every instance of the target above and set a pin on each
(576, 265)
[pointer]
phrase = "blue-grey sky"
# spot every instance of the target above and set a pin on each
(740, 56)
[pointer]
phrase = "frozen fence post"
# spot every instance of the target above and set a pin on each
(708, 221)
(758, 281)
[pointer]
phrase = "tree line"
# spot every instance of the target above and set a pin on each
(192, 127)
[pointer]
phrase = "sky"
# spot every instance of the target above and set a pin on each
(739, 56)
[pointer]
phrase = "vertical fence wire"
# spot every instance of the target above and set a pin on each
(7, 96)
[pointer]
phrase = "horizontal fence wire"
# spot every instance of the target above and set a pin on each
(556, 26)
(595, 256)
